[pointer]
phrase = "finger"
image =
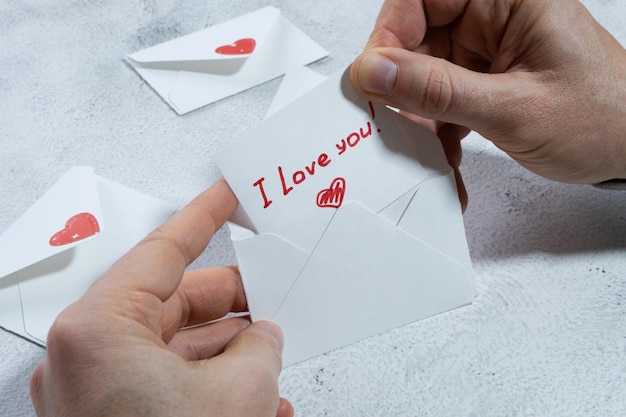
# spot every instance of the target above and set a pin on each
(285, 409)
(252, 362)
(202, 296)
(37, 389)
(403, 24)
(260, 346)
(434, 88)
(156, 265)
(461, 190)
(205, 342)
(450, 136)
(400, 24)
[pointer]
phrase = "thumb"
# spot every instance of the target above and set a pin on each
(260, 343)
(247, 372)
(437, 89)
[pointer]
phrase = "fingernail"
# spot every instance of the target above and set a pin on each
(377, 74)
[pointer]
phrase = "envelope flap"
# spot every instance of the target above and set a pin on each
(67, 215)
(240, 225)
(268, 265)
(434, 216)
(366, 276)
(237, 38)
(49, 286)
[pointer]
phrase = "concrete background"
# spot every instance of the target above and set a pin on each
(546, 334)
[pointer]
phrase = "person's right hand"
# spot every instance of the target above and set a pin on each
(541, 79)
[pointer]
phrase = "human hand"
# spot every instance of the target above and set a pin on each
(542, 80)
(120, 350)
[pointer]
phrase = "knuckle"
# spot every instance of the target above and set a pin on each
(162, 238)
(256, 338)
(65, 335)
(436, 96)
(260, 341)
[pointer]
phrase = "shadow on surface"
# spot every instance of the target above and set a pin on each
(514, 212)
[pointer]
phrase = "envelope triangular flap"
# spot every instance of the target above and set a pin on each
(256, 25)
(265, 283)
(49, 286)
(240, 225)
(434, 216)
(366, 276)
(28, 240)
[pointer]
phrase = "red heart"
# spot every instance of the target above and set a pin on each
(333, 196)
(239, 47)
(78, 227)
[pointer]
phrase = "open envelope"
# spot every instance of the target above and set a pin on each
(222, 60)
(64, 242)
(351, 223)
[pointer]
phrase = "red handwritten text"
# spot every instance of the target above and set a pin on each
(297, 177)
(331, 197)
(353, 139)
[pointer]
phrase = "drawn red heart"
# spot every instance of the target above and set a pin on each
(78, 227)
(239, 47)
(333, 196)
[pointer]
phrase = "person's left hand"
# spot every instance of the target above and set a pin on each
(123, 349)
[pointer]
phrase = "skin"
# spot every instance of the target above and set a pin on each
(121, 349)
(541, 79)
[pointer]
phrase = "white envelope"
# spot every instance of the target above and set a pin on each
(64, 242)
(222, 60)
(385, 248)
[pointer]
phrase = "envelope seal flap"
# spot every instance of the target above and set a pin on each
(65, 216)
(48, 286)
(234, 39)
(238, 232)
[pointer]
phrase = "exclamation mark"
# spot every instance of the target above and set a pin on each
(373, 112)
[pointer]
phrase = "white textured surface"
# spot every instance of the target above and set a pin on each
(547, 333)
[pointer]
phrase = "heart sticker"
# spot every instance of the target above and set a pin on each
(239, 47)
(78, 227)
(333, 196)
